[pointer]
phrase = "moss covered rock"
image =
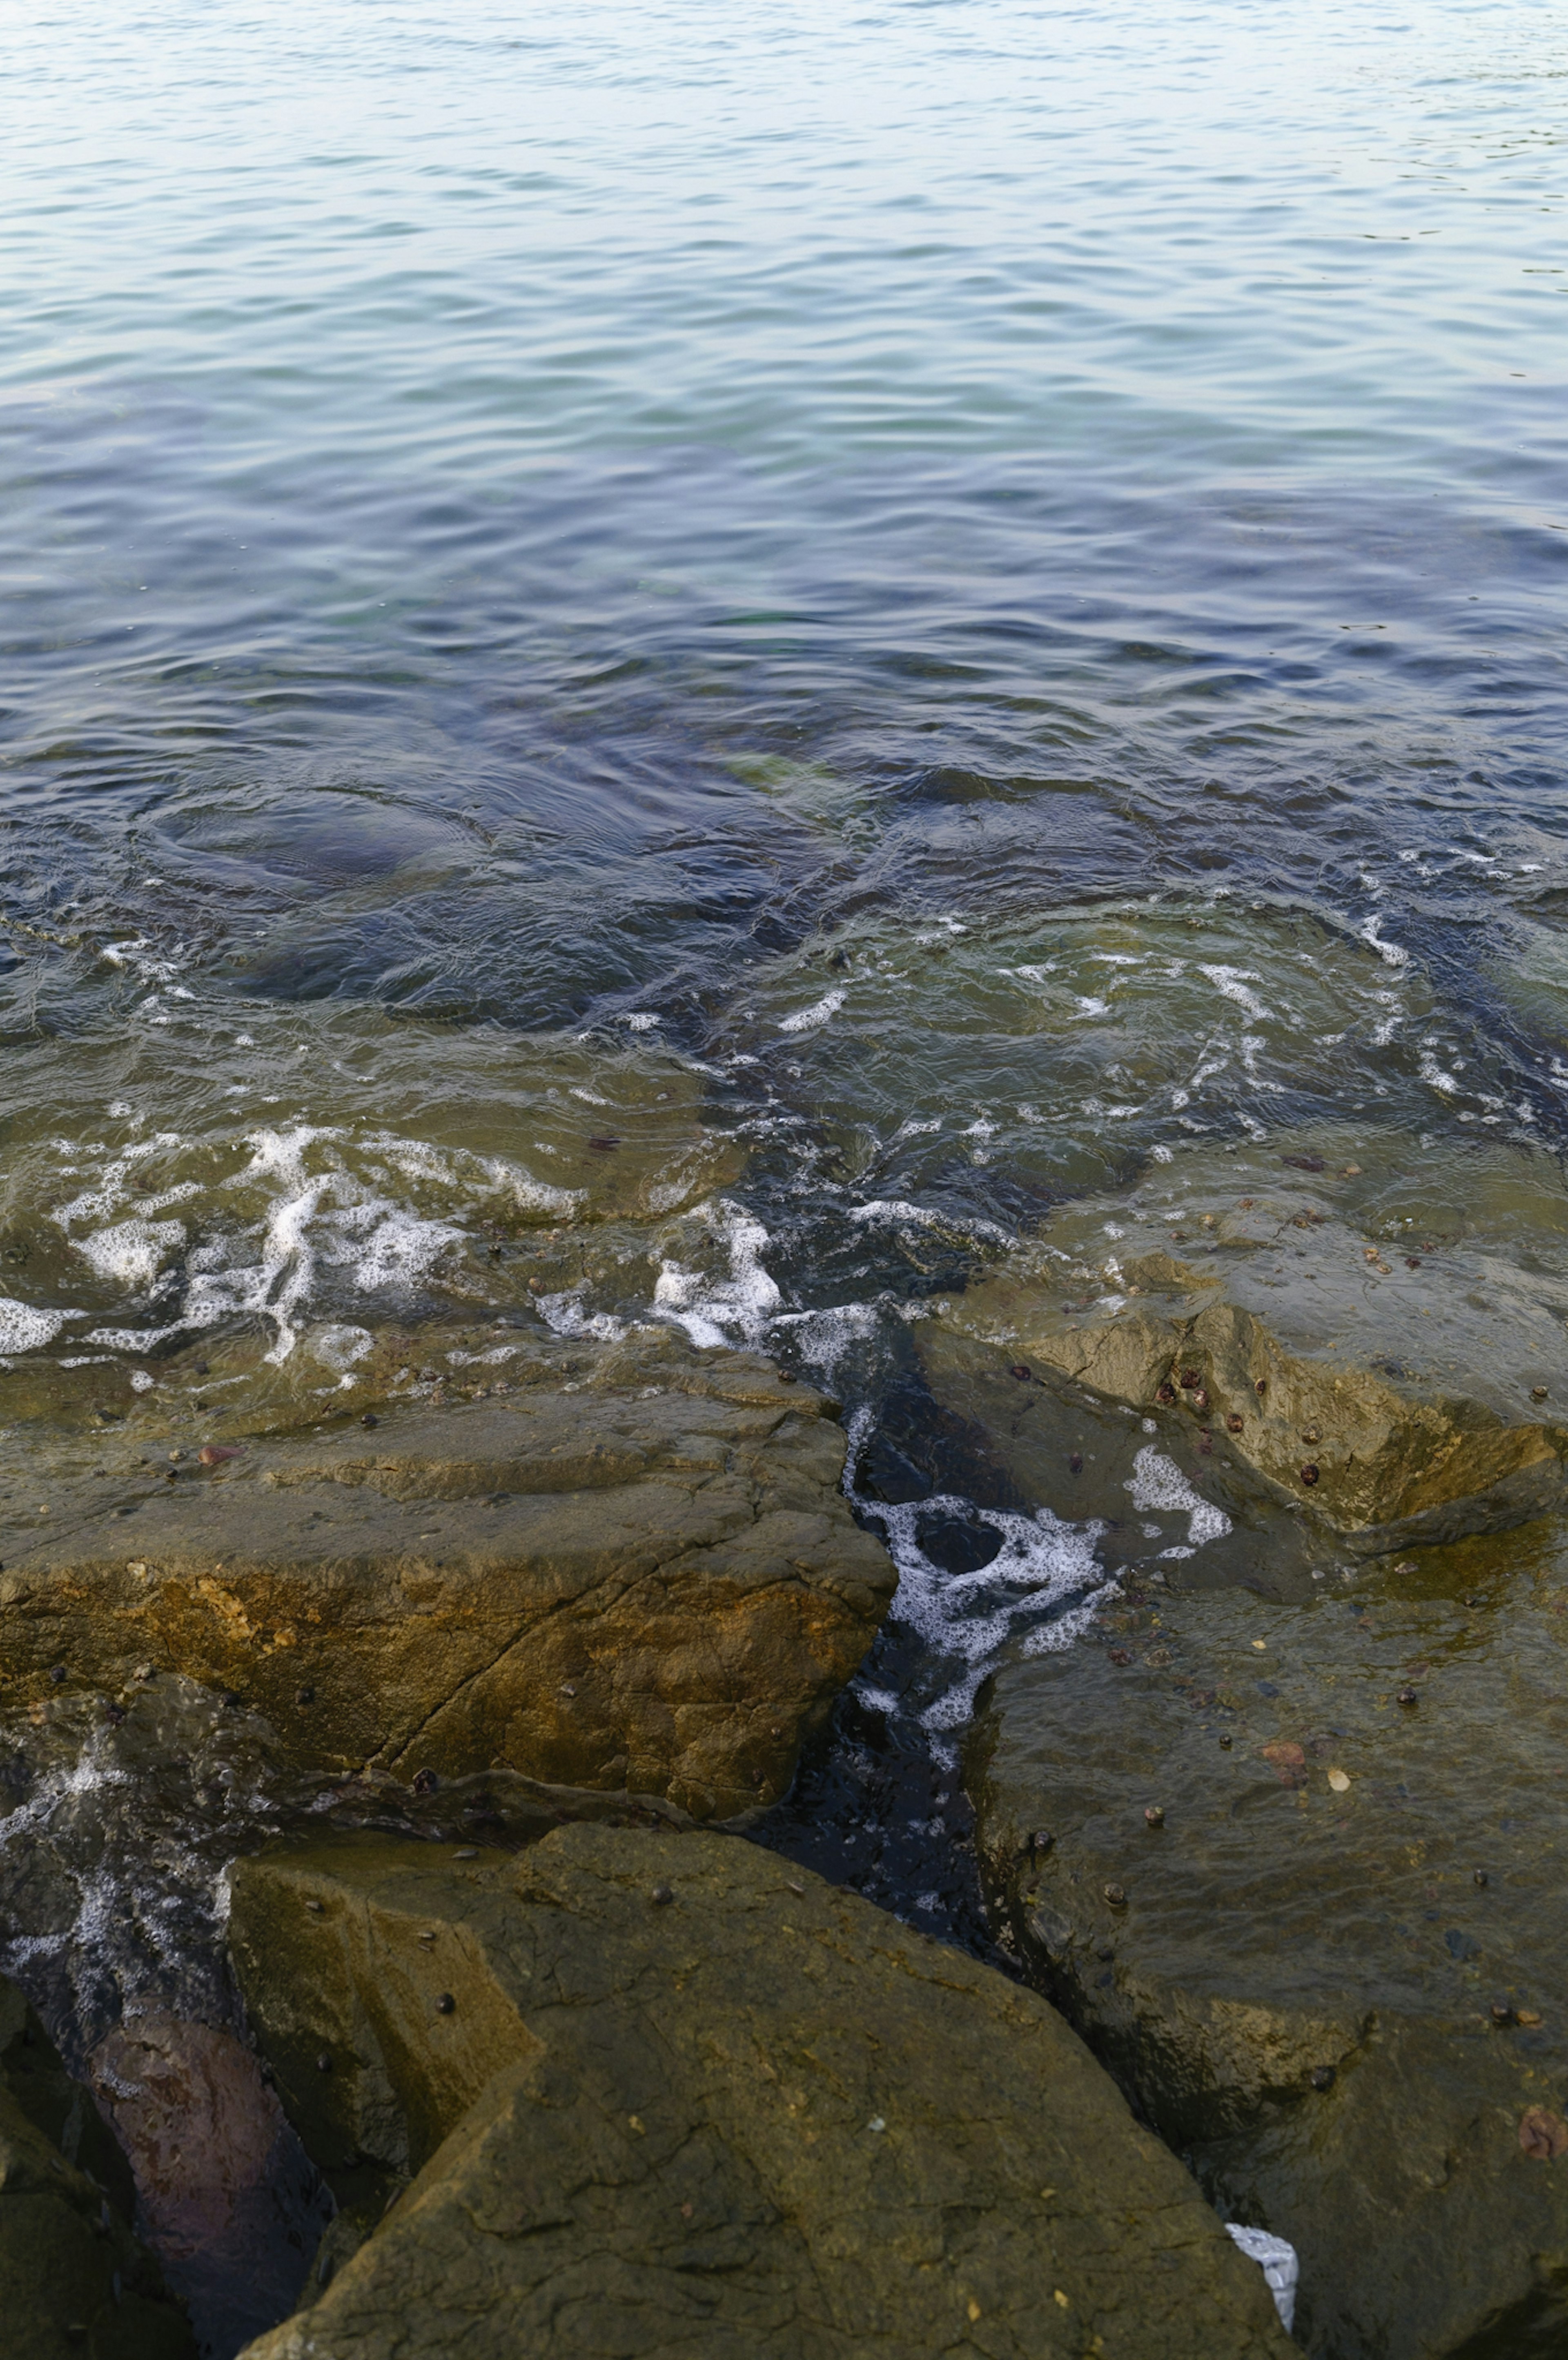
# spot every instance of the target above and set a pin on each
(645, 1579)
(668, 2092)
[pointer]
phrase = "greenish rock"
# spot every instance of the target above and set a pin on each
(1332, 1970)
(72, 2276)
(642, 1578)
(639, 2092)
(1359, 1336)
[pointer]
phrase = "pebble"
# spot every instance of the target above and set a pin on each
(315, 1907)
(661, 1895)
(466, 1851)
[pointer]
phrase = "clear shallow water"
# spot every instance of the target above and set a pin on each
(717, 654)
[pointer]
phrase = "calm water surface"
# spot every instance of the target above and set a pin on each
(924, 602)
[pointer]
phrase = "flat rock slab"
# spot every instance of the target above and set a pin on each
(668, 2093)
(646, 1581)
(1377, 1347)
(1334, 1969)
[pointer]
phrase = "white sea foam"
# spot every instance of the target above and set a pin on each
(1157, 1482)
(133, 1251)
(22, 1327)
(564, 1315)
(1232, 982)
(897, 1212)
(969, 1618)
(807, 1020)
(740, 1304)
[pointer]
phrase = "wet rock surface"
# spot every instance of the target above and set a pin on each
(72, 2276)
(639, 1577)
(1370, 1341)
(658, 2091)
(1296, 1872)
(229, 2201)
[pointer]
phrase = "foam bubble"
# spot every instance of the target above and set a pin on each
(1157, 1481)
(133, 1251)
(1040, 1588)
(22, 1327)
(807, 1020)
(564, 1316)
(717, 1310)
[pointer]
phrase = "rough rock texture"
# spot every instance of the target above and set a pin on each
(646, 1579)
(1343, 1341)
(72, 2277)
(1296, 1970)
(662, 2094)
(229, 2201)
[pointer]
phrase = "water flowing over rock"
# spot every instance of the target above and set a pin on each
(638, 2090)
(640, 1577)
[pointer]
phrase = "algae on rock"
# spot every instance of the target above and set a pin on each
(661, 2090)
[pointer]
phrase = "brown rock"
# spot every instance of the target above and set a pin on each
(765, 2119)
(649, 1582)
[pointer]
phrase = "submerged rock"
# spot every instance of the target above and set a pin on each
(659, 2092)
(1336, 1975)
(72, 2277)
(643, 1579)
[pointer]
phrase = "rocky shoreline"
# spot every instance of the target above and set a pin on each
(532, 2038)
